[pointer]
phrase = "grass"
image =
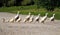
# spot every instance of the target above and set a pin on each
(33, 9)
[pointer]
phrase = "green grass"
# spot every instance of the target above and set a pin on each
(57, 16)
(33, 9)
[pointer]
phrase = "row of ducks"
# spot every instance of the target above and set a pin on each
(30, 18)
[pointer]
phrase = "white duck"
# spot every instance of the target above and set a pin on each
(18, 20)
(37, 18)
(44, 18)
(27, 18)
(11, 20)
(31, 19)
(52, 18)
(15, 18)
(3, 19)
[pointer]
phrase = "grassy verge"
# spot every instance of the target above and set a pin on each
(33, 9)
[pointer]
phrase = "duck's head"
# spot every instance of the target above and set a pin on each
(29, 13)
(46, 14)
(54, 14)
(38, 14)
(18, 12)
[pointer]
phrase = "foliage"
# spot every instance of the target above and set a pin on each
(50, 5)
(33, 9)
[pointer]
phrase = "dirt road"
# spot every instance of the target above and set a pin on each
(34, 28)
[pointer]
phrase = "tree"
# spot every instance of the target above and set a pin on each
(50, 5)
(1, 3)
(10, 3)
(27, 2)
(17, 2)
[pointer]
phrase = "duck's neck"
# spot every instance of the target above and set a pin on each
(46, 15)
(53, 15)
(18, 13)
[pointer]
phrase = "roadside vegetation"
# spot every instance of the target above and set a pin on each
(33, 6)
(33, 9)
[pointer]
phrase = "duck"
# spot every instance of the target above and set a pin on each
(18, 20)
(52, 18)
(3, 19)
(31, 18)
(43, 18)
(37, 18)
(27, 18)
(15, 18)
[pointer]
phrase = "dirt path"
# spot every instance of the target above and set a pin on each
(34, 28)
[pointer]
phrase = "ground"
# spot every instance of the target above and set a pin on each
(34, 28)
